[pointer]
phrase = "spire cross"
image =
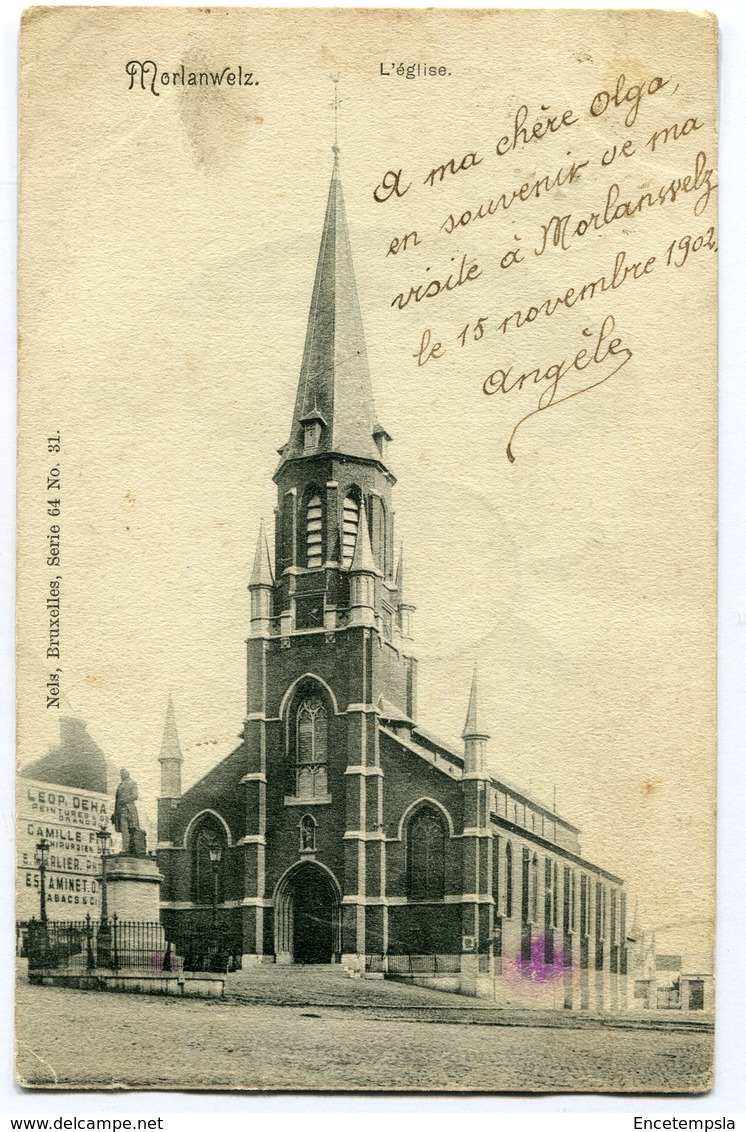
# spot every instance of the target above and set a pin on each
(336, 115)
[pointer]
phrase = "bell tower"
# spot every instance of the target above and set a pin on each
(330, 630)
(334, 522)
(333, 478)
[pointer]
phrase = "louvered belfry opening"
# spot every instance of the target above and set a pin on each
(314, 549)
(350, 525)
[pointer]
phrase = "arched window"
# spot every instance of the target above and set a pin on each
(350, 524)
(613, 920)
(568, 917)
(426, 845)
(534, 905)
(207, 879)
(307, 828)
(585, 906)
(314, 552)
(508, 880)
(600, 910)
(551, 893)
(311, 779)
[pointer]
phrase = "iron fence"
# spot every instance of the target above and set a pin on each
(59, 944)
(121, 945)
(408, 964)
(205, 949)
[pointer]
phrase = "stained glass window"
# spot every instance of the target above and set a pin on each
(311, 749)
(426, 855)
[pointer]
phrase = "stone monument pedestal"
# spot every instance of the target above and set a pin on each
(133, 886)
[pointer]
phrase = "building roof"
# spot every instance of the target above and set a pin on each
(390, 711)
(450, 749)
(334, 386)
(77, 762)
(442, 759)
(437, 758)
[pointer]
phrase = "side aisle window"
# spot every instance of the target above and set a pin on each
(426, 840)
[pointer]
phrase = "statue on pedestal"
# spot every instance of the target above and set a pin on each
(125, 817)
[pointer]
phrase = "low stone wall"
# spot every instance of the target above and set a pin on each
(450, 983)
(133, 982)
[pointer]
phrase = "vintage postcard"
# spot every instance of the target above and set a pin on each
(367, 549)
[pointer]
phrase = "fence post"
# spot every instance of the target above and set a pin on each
(31, 941)
(115, 957)
(89, 942)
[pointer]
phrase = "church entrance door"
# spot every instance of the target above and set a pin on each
(307, 916)
(313, 907)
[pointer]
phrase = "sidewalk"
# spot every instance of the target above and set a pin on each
(325, 987)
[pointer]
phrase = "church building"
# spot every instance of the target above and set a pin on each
(346, 831)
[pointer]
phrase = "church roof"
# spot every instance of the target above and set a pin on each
(170, 746)
(334, 386)
(392, 712)
(445, 748)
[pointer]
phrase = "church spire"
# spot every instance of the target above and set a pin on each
(261, 587)
(475, 735)
(170, 757)
(363, 561)
(363, 573)
(405, 609)
(334, 409)
(261, 575)
(399, 576)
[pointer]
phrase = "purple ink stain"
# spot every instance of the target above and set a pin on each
(158, 961)
(536, 969)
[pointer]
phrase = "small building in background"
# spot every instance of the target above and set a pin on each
(666, 981)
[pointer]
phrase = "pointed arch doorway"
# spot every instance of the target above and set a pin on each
(307, 917)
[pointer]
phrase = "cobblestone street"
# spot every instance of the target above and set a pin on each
(381, 1043)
